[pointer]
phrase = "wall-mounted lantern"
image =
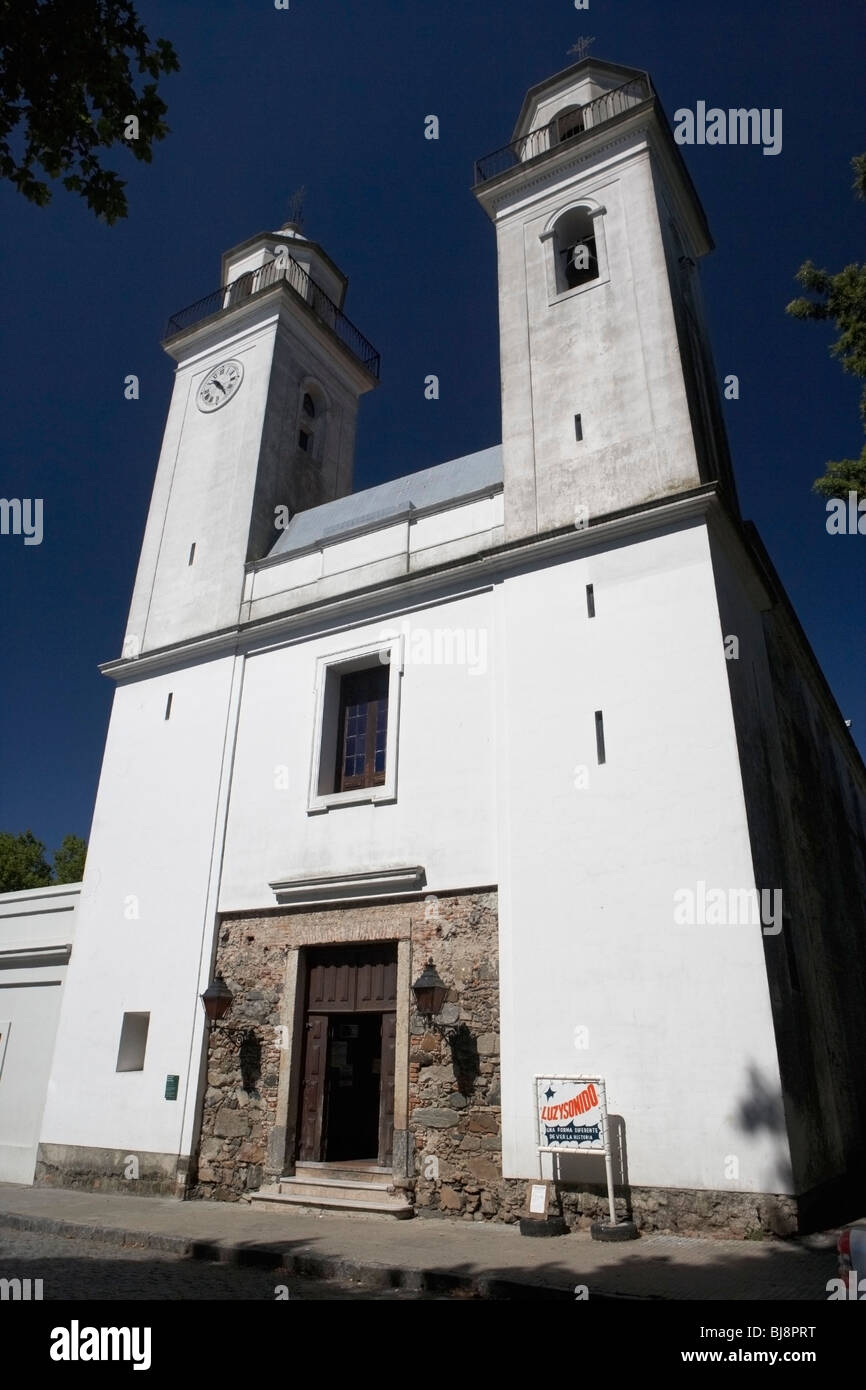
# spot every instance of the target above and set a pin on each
(217, 999)
(429, 991)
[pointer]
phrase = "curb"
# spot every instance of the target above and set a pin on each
(264, 1256)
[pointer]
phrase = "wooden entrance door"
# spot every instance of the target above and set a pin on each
(313, 1086)
(386, 1093)
(347, 1095)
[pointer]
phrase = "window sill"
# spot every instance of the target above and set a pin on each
(360, 796)
(579, 289)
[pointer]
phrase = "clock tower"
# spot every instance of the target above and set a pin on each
(261, 425)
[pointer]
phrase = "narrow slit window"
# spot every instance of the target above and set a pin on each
(311, 423)
(578, 428)
(191, 553)
(590, 605)
(168, 705)
(599, 735)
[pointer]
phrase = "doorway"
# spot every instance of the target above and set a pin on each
(347, 1092)
(351, 1128)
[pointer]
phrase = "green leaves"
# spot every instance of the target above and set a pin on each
(23, 862)
(847, 475)
(841, 299)
(69, 859)
(68, 81)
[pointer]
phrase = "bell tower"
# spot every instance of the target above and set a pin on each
(261, 425)
(609, 394)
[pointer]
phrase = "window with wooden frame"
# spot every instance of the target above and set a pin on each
(362, 729)
(356, 725)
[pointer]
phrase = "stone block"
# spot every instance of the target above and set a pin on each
(451, 1199)
(482, 1124)
(485, 1169)
(441, 1076)
(231, 1124)
(432, 1117)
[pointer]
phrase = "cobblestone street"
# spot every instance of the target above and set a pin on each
(76, 1269)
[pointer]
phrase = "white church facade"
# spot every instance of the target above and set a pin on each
(541, 715)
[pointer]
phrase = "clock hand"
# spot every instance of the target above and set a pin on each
(216, 383)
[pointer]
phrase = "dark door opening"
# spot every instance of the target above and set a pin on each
(353, 1082)
(346, 1111)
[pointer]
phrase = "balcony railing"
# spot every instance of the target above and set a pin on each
(283, 269)
(544, 139)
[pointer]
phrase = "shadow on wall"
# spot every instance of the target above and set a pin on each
(761, 1110)
(836, 1200)
(250, 1062)
(464, 1059)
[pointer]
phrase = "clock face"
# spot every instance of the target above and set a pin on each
(219, 385)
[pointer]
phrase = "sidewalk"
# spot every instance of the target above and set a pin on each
(432, 1254)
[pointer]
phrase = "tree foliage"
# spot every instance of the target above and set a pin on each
(70, 77)
(23, 861)
(69, 859)
(841, 299)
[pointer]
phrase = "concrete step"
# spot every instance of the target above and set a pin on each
(344, 1172)
(329, 1187)
(382, 1205)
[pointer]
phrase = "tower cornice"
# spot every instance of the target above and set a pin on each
(567, 77)
(278, 298)
(551, 166)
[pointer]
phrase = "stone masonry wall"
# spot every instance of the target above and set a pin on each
(454, 1085)
(240, 1102)
(242, 1078)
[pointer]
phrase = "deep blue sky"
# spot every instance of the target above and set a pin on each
(333, 95)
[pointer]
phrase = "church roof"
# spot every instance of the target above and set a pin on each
(454, 481)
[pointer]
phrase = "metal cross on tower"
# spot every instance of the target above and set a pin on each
(582, 47)
(296, 206)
